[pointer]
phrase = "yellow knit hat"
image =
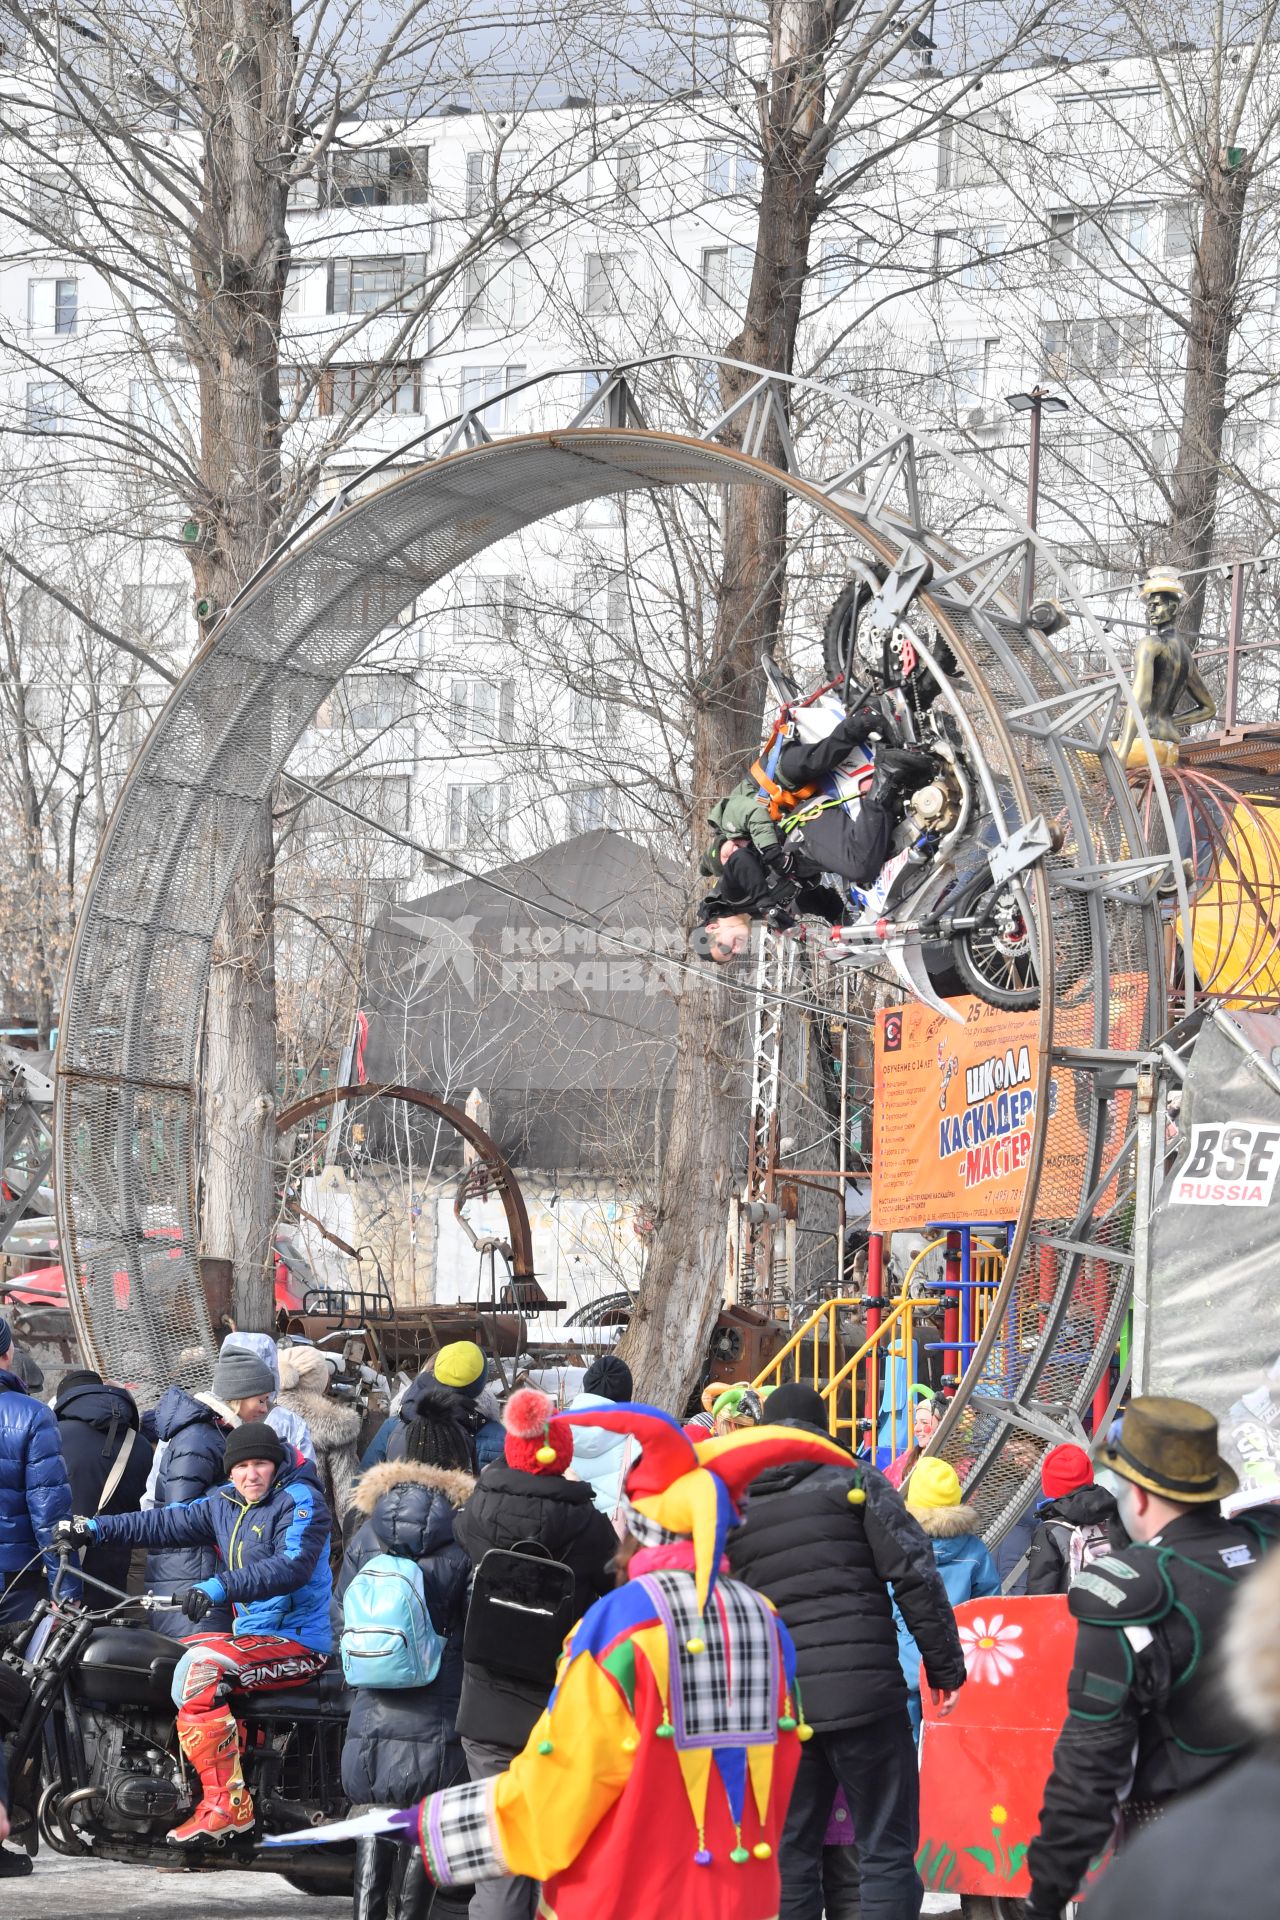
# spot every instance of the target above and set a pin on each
(933, 1483)
(458, 1365)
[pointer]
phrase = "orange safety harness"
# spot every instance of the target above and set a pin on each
(778, 799)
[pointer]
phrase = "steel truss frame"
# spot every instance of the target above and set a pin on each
(128, 1098)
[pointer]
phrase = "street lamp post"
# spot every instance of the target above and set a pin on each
(1037, 403)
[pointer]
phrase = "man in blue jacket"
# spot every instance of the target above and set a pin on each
(270, 1526)
(35, 1493)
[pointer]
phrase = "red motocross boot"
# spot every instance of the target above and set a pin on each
(210, 1743)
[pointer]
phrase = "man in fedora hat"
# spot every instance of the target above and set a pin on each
(1148, 1718)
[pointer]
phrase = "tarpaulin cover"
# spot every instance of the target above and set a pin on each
(1215, 1309)
(1233, 931)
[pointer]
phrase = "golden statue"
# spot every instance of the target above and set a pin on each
(1164, 675)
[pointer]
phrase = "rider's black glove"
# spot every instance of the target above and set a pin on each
(778, 860)
(196, 1603)
(70, 1535)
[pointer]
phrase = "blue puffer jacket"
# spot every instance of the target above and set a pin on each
(967, 1569)
(35, 1492)
(273, 1554)
(189, 1442)
(402, 1743)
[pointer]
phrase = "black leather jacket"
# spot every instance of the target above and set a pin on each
(1147, 1716)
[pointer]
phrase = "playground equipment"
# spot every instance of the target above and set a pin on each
(1039, 740)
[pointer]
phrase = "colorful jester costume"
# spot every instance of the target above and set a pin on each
(655, 1784)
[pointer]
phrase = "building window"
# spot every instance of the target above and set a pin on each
(1243, 441)
(477, 189)
(51, 306)
(475, 815)
(1138, 109)
(153, 615)
(372, 702)
(587, 809)
(378, 177)
(47, 196)
(839, 266)
(481, 712)
(376, 284)
(626, 175)
(326, 833)
(482, 392)
(726, 276)
(488, 607)
(483, 295)
(982, 250)
(372, 388)
(969, 151)
(1100, 345)
(607, 285)
(1128, 235)
(961, 371)
(593, 718)
(1181, 227)
(725, 173)
(159, 409)
(299, 387)
(49, 406)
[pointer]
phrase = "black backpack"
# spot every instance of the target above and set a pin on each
(522, 1607)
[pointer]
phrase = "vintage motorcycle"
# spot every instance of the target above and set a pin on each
(949, 911)
(94, 1765)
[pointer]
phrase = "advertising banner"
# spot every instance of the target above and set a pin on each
(954, 1110)
(1214, 1332)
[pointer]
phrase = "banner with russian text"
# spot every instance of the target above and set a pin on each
(954, 1112)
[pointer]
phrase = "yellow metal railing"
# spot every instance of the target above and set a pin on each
(852, 1386)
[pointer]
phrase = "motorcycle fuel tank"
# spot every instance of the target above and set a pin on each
(127, 1666)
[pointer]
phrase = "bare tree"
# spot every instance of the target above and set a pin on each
(157, 148)
(809, 73)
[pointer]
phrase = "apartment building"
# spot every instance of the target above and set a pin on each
(1044, 234)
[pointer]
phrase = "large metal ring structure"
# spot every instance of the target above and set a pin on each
(128, 1100)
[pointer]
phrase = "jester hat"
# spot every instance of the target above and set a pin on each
(696, 1488)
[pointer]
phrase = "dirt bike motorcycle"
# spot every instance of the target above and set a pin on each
(94, 1766)
(949, 911)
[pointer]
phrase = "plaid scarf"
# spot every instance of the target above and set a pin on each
(646, 1531)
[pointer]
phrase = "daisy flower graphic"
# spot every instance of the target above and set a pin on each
(991, 1649)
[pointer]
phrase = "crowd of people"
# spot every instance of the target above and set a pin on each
(648, 1669)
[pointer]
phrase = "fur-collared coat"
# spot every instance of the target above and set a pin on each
(967, 1569)
(335, 1434)
(1218, 1850)
(402, 1743)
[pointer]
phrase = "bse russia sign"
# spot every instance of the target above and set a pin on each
(1228, 1164)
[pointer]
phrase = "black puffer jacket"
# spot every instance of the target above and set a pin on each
(828, 1566)
(402, 1743)
(189, 1442)
(93, 1422)
(1049, 1561)
(509, 1506)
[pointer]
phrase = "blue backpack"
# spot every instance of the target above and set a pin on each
(388, 1639)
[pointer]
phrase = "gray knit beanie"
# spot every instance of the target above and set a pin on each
(239, 1376)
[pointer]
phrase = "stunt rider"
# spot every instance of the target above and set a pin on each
(270, 1526)
(788, 824)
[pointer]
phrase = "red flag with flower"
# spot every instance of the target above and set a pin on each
(983, 1769)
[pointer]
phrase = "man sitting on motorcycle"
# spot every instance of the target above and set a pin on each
(271, 1528)
(765, 869)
